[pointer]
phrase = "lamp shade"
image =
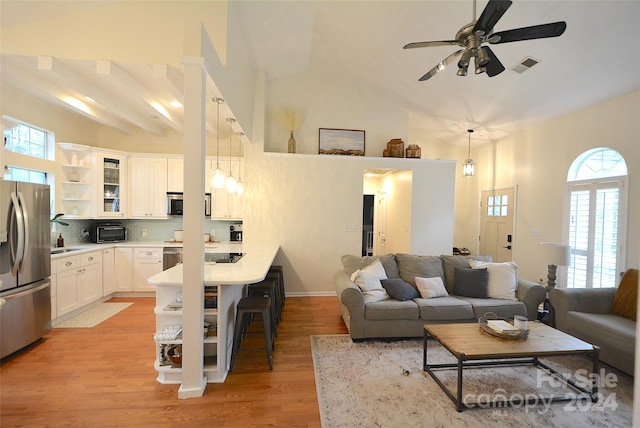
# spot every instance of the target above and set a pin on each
(557, 254)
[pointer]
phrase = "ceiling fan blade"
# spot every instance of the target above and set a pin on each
(440, 66)
(543, 31)
(431, 44)
(494, 66)
(491, 15)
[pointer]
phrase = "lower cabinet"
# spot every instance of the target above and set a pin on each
(123, 265)
(146, 263)
(78, 281)
(108, 271)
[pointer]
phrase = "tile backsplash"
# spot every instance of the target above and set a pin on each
(156, 230)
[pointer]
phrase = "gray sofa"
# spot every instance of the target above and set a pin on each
(586, 314)
(391, 318)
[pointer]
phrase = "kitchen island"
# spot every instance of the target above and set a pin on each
(224, 285)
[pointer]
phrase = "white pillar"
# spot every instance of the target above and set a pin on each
(193, 380)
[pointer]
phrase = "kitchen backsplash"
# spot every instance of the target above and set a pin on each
(156, 230)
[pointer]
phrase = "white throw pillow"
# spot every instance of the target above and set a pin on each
(431, 287)
(503, 278)
(370, 284)
(376, 268)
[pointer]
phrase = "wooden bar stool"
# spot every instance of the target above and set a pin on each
(246, 309)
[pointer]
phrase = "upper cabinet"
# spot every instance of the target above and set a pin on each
(75, 181)
(111, 184)
(175, 175)
(148, 186)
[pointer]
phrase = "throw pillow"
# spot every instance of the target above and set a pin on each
(471, 282)
(370, 285)
(503, 278)
(431, 287)
(625, 301)
(411, 266)
(450, 263)
(400, 289)
(352, 263)
(377, 269)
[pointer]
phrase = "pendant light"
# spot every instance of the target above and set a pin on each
(469, 167)
(240, 186)
(218, 176)
(231, 183)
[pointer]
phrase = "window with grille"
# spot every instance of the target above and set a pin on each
(596, 224)
(26, 140)
(498, 206)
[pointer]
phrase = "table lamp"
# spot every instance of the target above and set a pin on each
(557, 255)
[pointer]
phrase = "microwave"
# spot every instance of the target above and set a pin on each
(102, 233)
(175, 203)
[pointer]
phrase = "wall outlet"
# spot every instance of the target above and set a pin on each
(144, 233)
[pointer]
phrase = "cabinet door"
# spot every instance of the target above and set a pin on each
(148, 187)
(108, 271)
(89, 283)
(158, 187)
(67, 291)
(111, 185)
(144, 269)
(123, 269)
(175, 175)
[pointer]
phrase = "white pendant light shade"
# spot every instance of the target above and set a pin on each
(218, 178)
(239, 188)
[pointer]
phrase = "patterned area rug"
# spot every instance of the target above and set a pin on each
(382, 384)
(94, 316)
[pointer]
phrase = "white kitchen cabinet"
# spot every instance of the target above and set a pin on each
(148, 186)
(146, 263)
(175, 175)
(78, 281)
(123, 261)
(108, 271)
(111, 184)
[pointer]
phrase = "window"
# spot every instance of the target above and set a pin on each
(498, 206)
(596, 218)
(26, 140)
(21, 174)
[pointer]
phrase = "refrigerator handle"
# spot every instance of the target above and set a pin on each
(17, 221)
(25, 239)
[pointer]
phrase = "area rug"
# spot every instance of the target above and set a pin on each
(382, 384)
(94, 316)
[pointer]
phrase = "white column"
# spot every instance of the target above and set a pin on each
(193, 380)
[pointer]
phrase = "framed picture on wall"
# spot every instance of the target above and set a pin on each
(346, 142)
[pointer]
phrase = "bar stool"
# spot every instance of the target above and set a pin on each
(248, 307)
(278, 276)
(267, 288)
(280, 272)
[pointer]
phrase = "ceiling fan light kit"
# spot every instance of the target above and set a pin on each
(472, 36)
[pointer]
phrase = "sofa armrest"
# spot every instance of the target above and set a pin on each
(351, 302)
(592, 300)
(531, 294)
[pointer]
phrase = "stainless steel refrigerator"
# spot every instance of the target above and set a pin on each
(25, 264)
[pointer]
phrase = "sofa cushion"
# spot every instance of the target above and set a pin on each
(503, 308)
(626, 300)
(471, 282)
(444, 309)
(391, 310)
(600, 329)
(503, 278)
(370, 285)
(430, 288)
(353, 263)
(411, 266)
(450, 263)
(399, 289)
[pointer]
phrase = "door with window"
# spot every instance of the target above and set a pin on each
(496, 223)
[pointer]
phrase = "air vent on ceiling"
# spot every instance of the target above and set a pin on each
(525, 64)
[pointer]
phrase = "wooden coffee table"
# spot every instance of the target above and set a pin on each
(472, 347)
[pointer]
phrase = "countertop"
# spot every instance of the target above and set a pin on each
(209, 247)
(252, 267)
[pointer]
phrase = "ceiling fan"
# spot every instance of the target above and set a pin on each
(472, 36)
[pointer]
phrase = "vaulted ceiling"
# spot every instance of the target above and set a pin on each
(360, 43)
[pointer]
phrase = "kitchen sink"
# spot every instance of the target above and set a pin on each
(65, 250)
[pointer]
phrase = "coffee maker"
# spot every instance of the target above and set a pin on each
(235, 233)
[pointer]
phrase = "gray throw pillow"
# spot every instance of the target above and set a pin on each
(450, 263)
(400, 289)
(471, 283)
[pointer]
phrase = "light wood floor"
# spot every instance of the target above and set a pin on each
(104, 376)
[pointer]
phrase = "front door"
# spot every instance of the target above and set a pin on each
(496, 223)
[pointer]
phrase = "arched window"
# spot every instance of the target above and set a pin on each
(596, 223)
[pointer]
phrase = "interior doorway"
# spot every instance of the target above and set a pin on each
(368, 206)
(497, 208)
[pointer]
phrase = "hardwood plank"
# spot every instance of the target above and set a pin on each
(104, 376)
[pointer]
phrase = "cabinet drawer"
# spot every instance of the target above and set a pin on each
(148, 253)
(90, 258)
(67, 263)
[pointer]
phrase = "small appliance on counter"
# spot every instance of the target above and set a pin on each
(104, 232)
(235, 233)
